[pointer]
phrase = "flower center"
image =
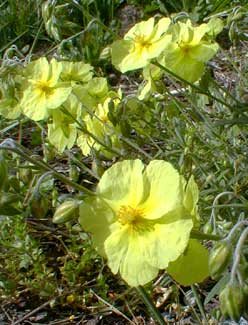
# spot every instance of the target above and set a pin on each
(44, 87)
(141, 43)
(129, 215)
(134, 219)
(185, 47)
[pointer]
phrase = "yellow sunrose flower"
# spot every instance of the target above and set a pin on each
(138, 219)
(189, 50)
(144, 41)
(43, 90)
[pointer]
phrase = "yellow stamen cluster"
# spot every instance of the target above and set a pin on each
(134, 219)
(141, 43)
(129, 215)
(44, 87)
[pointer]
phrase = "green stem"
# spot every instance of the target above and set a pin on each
(84, 129)
(11, 145)
(199, 304)
(212, 217)
(237, 254)
(150, 305)
(35, 40)
(200, 90)
(196, 234)
(235, 228)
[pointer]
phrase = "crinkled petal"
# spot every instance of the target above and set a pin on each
(185, 67)
(86, 143)
(125, 57)
(167, 239)
(143, 28)
(161, 27)
(57, 97)
(134, 60)
(125, 254)
(59, 138)
(40, 69)
(122, 184)
(33, 105)
(56, 68)
(199, 33)
(192, 266)
(96, 217)
(162, 189)
(204, 52)
(156, 48)
(139, 254)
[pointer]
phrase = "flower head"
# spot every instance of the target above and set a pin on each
(99, 125)
(138, 219)
(79, 72)
(144, 41)
(43, 90)
(189, 50)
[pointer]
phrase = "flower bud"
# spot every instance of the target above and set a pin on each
(219, 258)
(232, 301)
(39, 206)
(67, 211)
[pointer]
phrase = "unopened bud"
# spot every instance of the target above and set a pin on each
(232, 301)
(67, 211)
(219, 258)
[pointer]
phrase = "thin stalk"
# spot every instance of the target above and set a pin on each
(150, 305)
(237, 254)
(81, 165)
(234, 205)
(196, 234)
(212, 216)
(84, 129)
(23, 152)
(235, 228)
(199, 304)
(200, 90)
(135, 146)
(12, 41)
(35, 39)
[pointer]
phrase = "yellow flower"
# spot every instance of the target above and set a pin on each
(76, 71)
(143, 42)
(138, 219)
(189, 50)
(43, 90)
(99, 125)
(62, 131)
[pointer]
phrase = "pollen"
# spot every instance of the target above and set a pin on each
(134, 219)
(129, 215)
(44, 87)
(141, 43)
(185, 47)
